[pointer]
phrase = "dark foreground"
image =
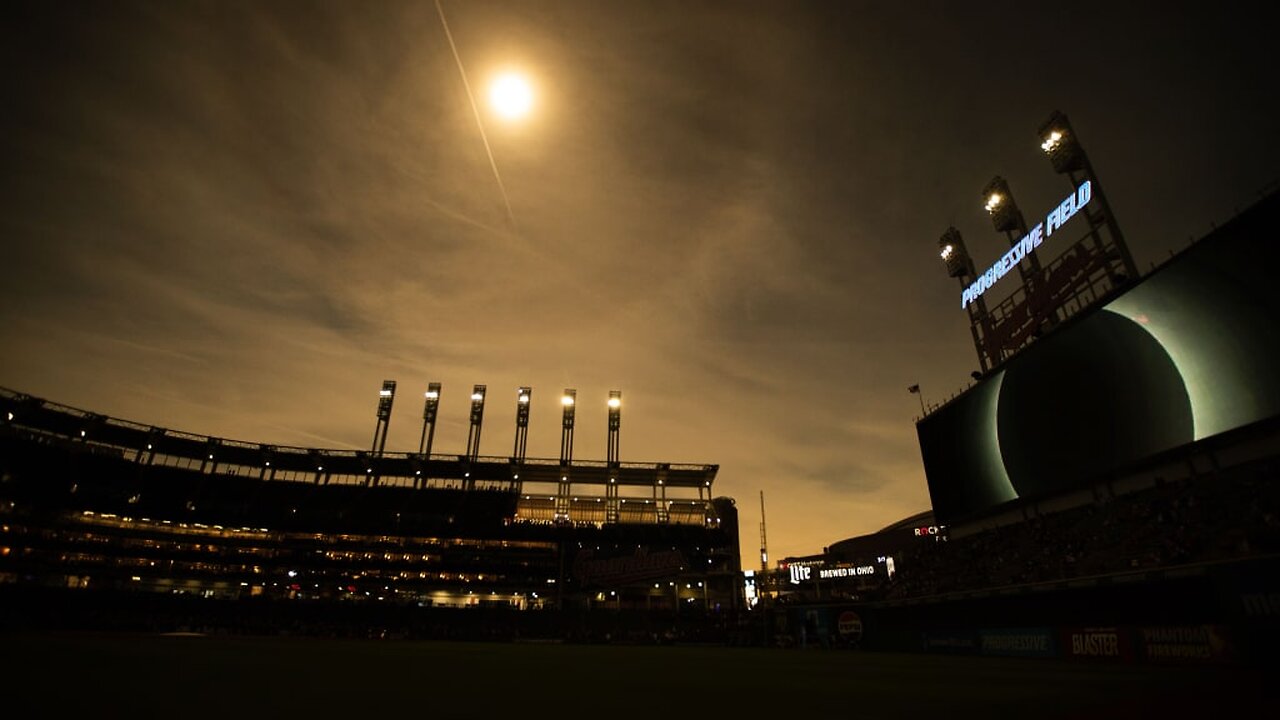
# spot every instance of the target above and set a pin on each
(92, 675)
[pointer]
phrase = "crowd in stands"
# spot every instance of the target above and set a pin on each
(1210, 518)
(1204, 520)
(32, 608)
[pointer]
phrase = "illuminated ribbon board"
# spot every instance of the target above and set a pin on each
(1057, 218)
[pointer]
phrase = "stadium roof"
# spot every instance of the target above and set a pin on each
(917, 520)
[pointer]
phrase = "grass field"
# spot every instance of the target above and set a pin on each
(224, 676)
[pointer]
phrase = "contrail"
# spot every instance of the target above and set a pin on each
(488, 151)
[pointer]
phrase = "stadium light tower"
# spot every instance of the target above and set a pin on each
(477, 417)
(955, 255)
(522, 423)
(1062, 146)
(1007, 218)
(430, 408)
(960, 265)
(615, 422)
(569, 400)
(386, 396)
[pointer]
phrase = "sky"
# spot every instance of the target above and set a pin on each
(239, 218)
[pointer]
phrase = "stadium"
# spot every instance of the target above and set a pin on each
(1104, 495)
(1111, 473)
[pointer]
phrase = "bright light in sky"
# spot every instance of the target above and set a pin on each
(511, 96)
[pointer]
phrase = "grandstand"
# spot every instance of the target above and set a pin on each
(109, 510)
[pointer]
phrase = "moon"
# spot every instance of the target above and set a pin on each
(511, 96)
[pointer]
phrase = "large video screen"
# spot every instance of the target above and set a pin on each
(1191, 351)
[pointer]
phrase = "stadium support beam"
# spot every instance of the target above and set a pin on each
(960, 265)
(267, 473)
(1061, 144)
(209, 461)
(523, 396)
(569, 401)
(473, 435)
(660, 493)
(1007, 218)
(430, 409)
(386, 396)
(615, 423)
(153, 440)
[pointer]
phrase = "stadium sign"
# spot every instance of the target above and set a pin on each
(849, 625)
(1057, 217)
(799, 573)
(1107, 643)
(839, 572)
(802, 572)
(640, 566)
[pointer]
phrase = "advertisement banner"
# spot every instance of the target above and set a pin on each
(1020, 642)
(1185, 643)
(1107, 644)
(951, 642)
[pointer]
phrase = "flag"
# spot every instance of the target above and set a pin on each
(913, 389)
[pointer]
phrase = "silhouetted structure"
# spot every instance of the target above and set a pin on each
(107, 506)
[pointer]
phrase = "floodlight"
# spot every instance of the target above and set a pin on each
(615, 422)
(386, 396)
(477, 418)
(566, 434)
(1060, 143)
(954, 255)
(431, 403)
(429, 410)
(1000, 205)
(522, 422)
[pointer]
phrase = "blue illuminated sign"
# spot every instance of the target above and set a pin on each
(1029, 242)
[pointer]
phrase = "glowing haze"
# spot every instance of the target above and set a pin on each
(511, 95)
